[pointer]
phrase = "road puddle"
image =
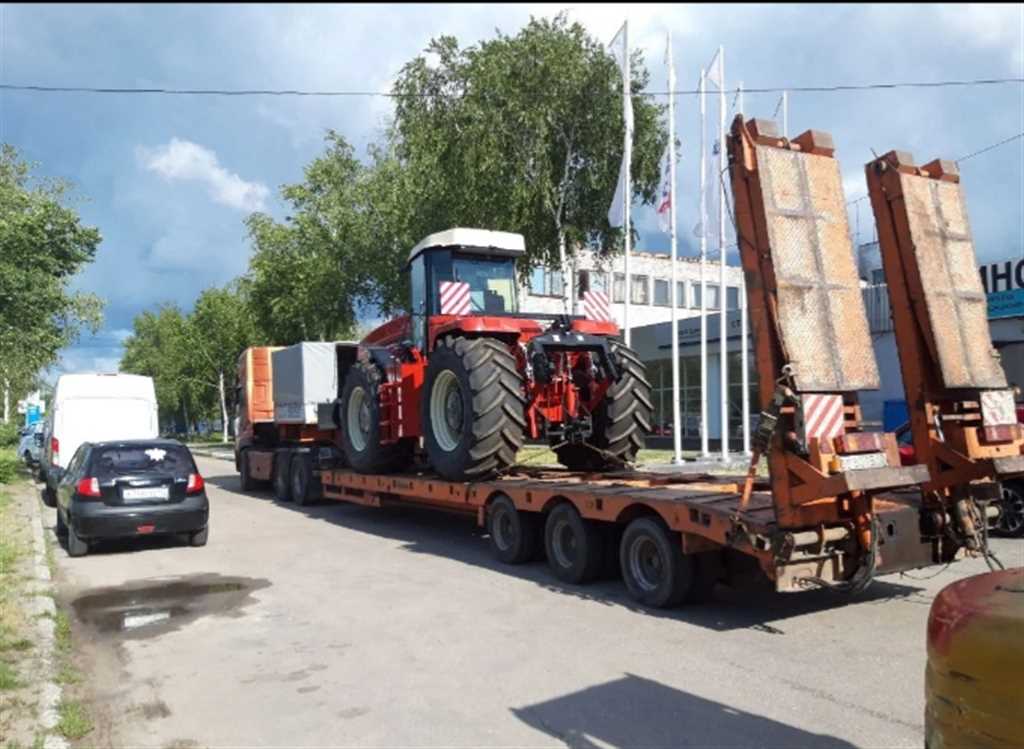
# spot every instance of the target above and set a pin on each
(146, 608)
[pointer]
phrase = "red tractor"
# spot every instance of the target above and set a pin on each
(474, 376)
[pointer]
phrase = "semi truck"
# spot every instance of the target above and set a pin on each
(430, 409)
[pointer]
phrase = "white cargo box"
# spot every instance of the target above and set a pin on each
(305, 375)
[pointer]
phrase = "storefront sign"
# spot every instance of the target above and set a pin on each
(1004, 286)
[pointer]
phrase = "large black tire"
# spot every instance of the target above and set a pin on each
(473, 408)
(282, 480)
(575, 547)
(245, 472)
(199, 538)
(1011, 510)
(621, 421)
(655, 571)
(305, 486)
(359, 415)
(515, 536)
(49, 497)
(62, 528)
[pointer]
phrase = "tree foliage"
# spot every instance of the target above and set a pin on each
(43, 244)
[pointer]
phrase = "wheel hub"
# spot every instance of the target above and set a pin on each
(564, 544)
(447, 414)
(646, 564)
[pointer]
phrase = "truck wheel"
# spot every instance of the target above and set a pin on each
(655, 571)
(282, 481)
(245, 472)
(515, 535)
(472, 408)
(360, 420)
(621, 421)
(574, 546)
(305, 487)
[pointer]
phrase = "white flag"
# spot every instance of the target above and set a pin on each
(714, 76)
(616, 211)
(665, 193)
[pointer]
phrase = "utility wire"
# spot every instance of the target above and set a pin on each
(392, 95)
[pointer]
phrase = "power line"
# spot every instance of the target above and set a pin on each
(989, 148)
(36, 88)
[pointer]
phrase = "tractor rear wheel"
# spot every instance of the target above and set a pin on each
(359, 416)
(621, 421)
(473, 408)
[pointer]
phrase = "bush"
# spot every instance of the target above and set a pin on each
(9, 465)
(9, 436)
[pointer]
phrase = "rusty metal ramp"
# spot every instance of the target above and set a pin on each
(821, 313)
(941, 256)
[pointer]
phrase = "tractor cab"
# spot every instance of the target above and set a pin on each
(462, 272)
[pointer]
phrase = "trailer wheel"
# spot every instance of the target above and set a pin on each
(655, 571)
(305, 488)
(360, 421)
(1011, 515)
(621, 422)
(574, 546)
(515, 535)
(245, 472)
(472, 408)
(282, 481)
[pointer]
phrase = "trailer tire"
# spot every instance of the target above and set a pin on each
(360, 418)
(574, 546)
(476, 378)
(245, 472)
(621, 421)
(305, 487)
(654, 569)
(282, 482)
(515, 535)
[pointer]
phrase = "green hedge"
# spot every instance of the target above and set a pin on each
(9, 436)
(9, 465)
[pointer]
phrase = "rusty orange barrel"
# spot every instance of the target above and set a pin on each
(974, 680)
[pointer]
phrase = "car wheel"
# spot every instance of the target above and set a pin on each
(1011, 517)
(199, 537)
(62, 527)
(49, 497)
(76, 546)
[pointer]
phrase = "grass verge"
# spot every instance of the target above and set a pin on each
(74, 721)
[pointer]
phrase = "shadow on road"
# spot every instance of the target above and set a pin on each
(427, 531)
(633, 711)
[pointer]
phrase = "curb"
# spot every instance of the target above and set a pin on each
(44, 610)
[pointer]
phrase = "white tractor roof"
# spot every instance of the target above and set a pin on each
(474, 240)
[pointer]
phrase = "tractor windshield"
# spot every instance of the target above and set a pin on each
(492, 285)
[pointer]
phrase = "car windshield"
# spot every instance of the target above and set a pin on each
(491, 282)
(132, 460)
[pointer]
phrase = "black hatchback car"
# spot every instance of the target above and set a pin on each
(131, 488)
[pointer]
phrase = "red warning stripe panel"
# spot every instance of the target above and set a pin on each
(597, 306)
(823, 416)
(455, 298)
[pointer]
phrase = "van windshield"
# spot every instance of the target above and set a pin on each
(134, 460)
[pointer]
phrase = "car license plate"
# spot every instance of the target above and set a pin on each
(149, 492)
(864, 460)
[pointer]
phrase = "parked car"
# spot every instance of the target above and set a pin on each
(31, 444)
(94, 408)
(973, 681)
(128, 488)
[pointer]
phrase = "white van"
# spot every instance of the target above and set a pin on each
(95, 408)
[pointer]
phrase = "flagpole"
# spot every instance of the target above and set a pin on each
(705, 451)
(723, 354)
(627, 193)
(744, 371)
(677, 444)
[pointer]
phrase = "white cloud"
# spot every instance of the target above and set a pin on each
(185, 160)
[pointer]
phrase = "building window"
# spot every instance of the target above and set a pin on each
(732, 297)
(661, 293)
(537, 281)
(619, 294)
(697, 290)
(681, 294)
(595, 281)
(556, 287)
(713, 297)
(640, 293)
(544, 282)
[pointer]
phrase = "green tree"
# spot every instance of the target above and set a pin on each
(523, 133)
(43, 244)
(158, 347)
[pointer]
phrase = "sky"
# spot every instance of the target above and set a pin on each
(169, 180)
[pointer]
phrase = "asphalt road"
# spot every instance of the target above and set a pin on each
(339, 625)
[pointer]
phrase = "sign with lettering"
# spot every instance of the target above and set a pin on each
(1004, 285)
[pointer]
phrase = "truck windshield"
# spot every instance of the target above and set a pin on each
(492, 284)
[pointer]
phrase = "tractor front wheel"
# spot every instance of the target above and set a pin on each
(360, 420)
(473, 408)
(621, 421)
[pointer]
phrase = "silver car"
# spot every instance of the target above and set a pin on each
(30, 448)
